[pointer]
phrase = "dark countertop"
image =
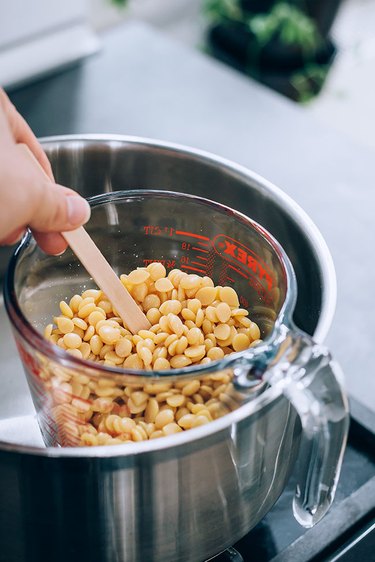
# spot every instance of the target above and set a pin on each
(144, 84)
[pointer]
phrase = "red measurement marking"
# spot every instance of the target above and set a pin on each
(199, 249)
(169, 264)
(201, 258)
(193, 268)
(198, 263)
(29, 361)
(253, 282)
(63, 416)
(191, 235)
(239, 271)
(50, 423)
(230, 279)
(234, 251)
(156, 230)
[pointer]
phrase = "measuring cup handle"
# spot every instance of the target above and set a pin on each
(313, 383)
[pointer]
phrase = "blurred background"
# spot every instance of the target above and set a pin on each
(282, 87)
(320, 53)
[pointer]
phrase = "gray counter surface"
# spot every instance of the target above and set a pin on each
(144, 84)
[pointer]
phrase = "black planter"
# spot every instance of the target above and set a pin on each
(283, 67)
(276, 64)
(257, 6)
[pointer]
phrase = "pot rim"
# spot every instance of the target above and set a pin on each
(270, 394)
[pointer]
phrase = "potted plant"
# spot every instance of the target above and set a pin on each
(284, 44)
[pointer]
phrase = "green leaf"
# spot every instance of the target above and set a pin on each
(263, 27)
(119, 3)
(308, 80)
(287, 21)
(216, 10)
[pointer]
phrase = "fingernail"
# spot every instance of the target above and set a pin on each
(78, 210)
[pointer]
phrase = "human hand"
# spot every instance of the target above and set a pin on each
(26, 198)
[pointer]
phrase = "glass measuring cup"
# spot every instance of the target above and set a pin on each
(133, 229)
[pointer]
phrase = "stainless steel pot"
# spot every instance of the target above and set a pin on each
(157, 502)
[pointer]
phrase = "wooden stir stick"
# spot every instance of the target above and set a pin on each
(100, 270)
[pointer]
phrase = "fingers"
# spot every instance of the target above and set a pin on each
(14, 237)
(31, 200)
(58, 211)
(27, 197)
(60, 208)
(22, 133)
(51, 243)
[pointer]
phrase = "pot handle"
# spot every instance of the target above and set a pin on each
(313, 383)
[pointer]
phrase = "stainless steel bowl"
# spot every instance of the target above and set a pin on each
(155, 501)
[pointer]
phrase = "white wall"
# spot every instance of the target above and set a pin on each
(178, 17)
(21, 20)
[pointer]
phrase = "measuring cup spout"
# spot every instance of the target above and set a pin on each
(313, 383)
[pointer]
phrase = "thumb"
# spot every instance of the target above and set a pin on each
(58, 209)
(29, 198)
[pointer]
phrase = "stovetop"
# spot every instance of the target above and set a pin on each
(346, 534)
